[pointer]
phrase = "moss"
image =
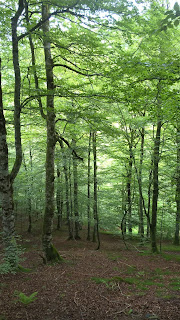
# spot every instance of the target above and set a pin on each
(53, 255)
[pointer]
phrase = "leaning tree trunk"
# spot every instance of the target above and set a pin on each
(156, 157)
(50, 252)
(176, 236)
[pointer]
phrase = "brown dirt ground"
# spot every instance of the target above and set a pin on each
(67, 291)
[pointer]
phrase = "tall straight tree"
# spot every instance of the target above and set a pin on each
(176, 235)
(156, 158)
(50, 252)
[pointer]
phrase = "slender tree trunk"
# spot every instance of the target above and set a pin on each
(95, 207)
(71, 215)
(129, 200)
(88, 189)
(36, 81)
(155, 187)
(50, 252)
(141, 220)
(176, 235)
(67, 192)
(59, 201)
(17, 92)
(76, 209)
(29, 192)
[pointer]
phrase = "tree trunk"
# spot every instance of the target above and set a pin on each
(76, 211)
(129, 200)
(155, 187)
(59, 200)
(67, 191)
(141, 220)
(17, 92)
(88, 189)
(50, 252)
(176, 236)
(95, 210)
(6, 193)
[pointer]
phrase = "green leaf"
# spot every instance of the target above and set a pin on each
(176, 7)
(176, 23)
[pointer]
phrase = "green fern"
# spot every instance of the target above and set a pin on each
(23, 298)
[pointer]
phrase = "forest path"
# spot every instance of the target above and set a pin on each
(110, 284)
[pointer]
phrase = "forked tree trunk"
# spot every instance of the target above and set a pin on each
(50, 252)
(176, 235)
(6, 179)
(6, 191)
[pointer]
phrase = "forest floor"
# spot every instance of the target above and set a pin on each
(111, 283)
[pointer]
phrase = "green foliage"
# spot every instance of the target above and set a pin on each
(24, 299)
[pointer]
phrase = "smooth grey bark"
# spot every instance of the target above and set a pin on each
(88, 189)
(50, 252)
(177, 225)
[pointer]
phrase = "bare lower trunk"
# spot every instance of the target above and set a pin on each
(155, 188)
(88, 189)
(141, 220)
(95, 208)
(76, 209)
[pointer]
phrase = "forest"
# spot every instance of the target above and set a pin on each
(89, 159)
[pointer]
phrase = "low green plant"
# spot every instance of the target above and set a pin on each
(23, 298)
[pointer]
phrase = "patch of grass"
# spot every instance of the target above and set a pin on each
(131, 270)
(170, 257)
(175, 284)
(114, 257)
(171, 247)
(159, 271)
